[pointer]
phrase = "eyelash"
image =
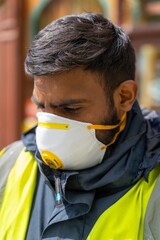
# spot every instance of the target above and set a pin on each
(73, 110)
(65, 109)
(40, 106)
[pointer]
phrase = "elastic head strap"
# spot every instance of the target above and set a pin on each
(107, 127)
(121, 128)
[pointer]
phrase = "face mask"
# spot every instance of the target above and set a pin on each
(67, 144)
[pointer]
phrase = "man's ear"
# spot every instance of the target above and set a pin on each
(125, 95)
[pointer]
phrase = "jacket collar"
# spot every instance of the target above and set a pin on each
(134, 155)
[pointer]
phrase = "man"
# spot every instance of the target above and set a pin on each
(90, 169)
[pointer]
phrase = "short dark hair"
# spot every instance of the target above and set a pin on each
(86, 40)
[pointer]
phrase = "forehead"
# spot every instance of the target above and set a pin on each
(72, 84)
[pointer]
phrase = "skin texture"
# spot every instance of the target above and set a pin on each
(79, 95)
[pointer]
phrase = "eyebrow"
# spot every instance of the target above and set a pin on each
(66, 103)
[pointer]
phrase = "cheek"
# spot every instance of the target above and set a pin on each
(106, 136)
(102, 136)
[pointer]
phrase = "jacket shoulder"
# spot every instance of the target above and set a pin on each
(7, 159)
(152, 218)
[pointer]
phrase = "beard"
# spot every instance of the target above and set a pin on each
(106, 136)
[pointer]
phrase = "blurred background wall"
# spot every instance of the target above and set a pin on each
(20, 20)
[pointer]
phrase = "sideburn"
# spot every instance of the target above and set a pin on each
(106, 136)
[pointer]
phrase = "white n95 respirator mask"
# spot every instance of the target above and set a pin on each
(67, 144)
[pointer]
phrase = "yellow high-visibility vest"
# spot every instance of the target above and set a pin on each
(18, 196)
(124, 220)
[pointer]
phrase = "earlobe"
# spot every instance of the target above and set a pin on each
(125, 95)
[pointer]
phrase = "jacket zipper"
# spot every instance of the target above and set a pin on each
(58, 191)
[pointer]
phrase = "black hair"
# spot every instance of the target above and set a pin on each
(86, 40)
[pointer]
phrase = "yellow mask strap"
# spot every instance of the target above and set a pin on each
(121, 126)
(107, 127)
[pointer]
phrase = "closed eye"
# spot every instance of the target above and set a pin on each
(71, 109)
(38, 104)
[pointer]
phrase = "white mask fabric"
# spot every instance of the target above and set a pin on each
(67, 144)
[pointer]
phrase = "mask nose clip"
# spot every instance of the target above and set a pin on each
(51, 160)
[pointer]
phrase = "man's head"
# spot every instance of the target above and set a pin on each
(83, 57)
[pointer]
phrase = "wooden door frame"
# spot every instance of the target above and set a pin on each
(10, 71)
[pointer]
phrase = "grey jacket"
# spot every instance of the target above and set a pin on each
(87, 194)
